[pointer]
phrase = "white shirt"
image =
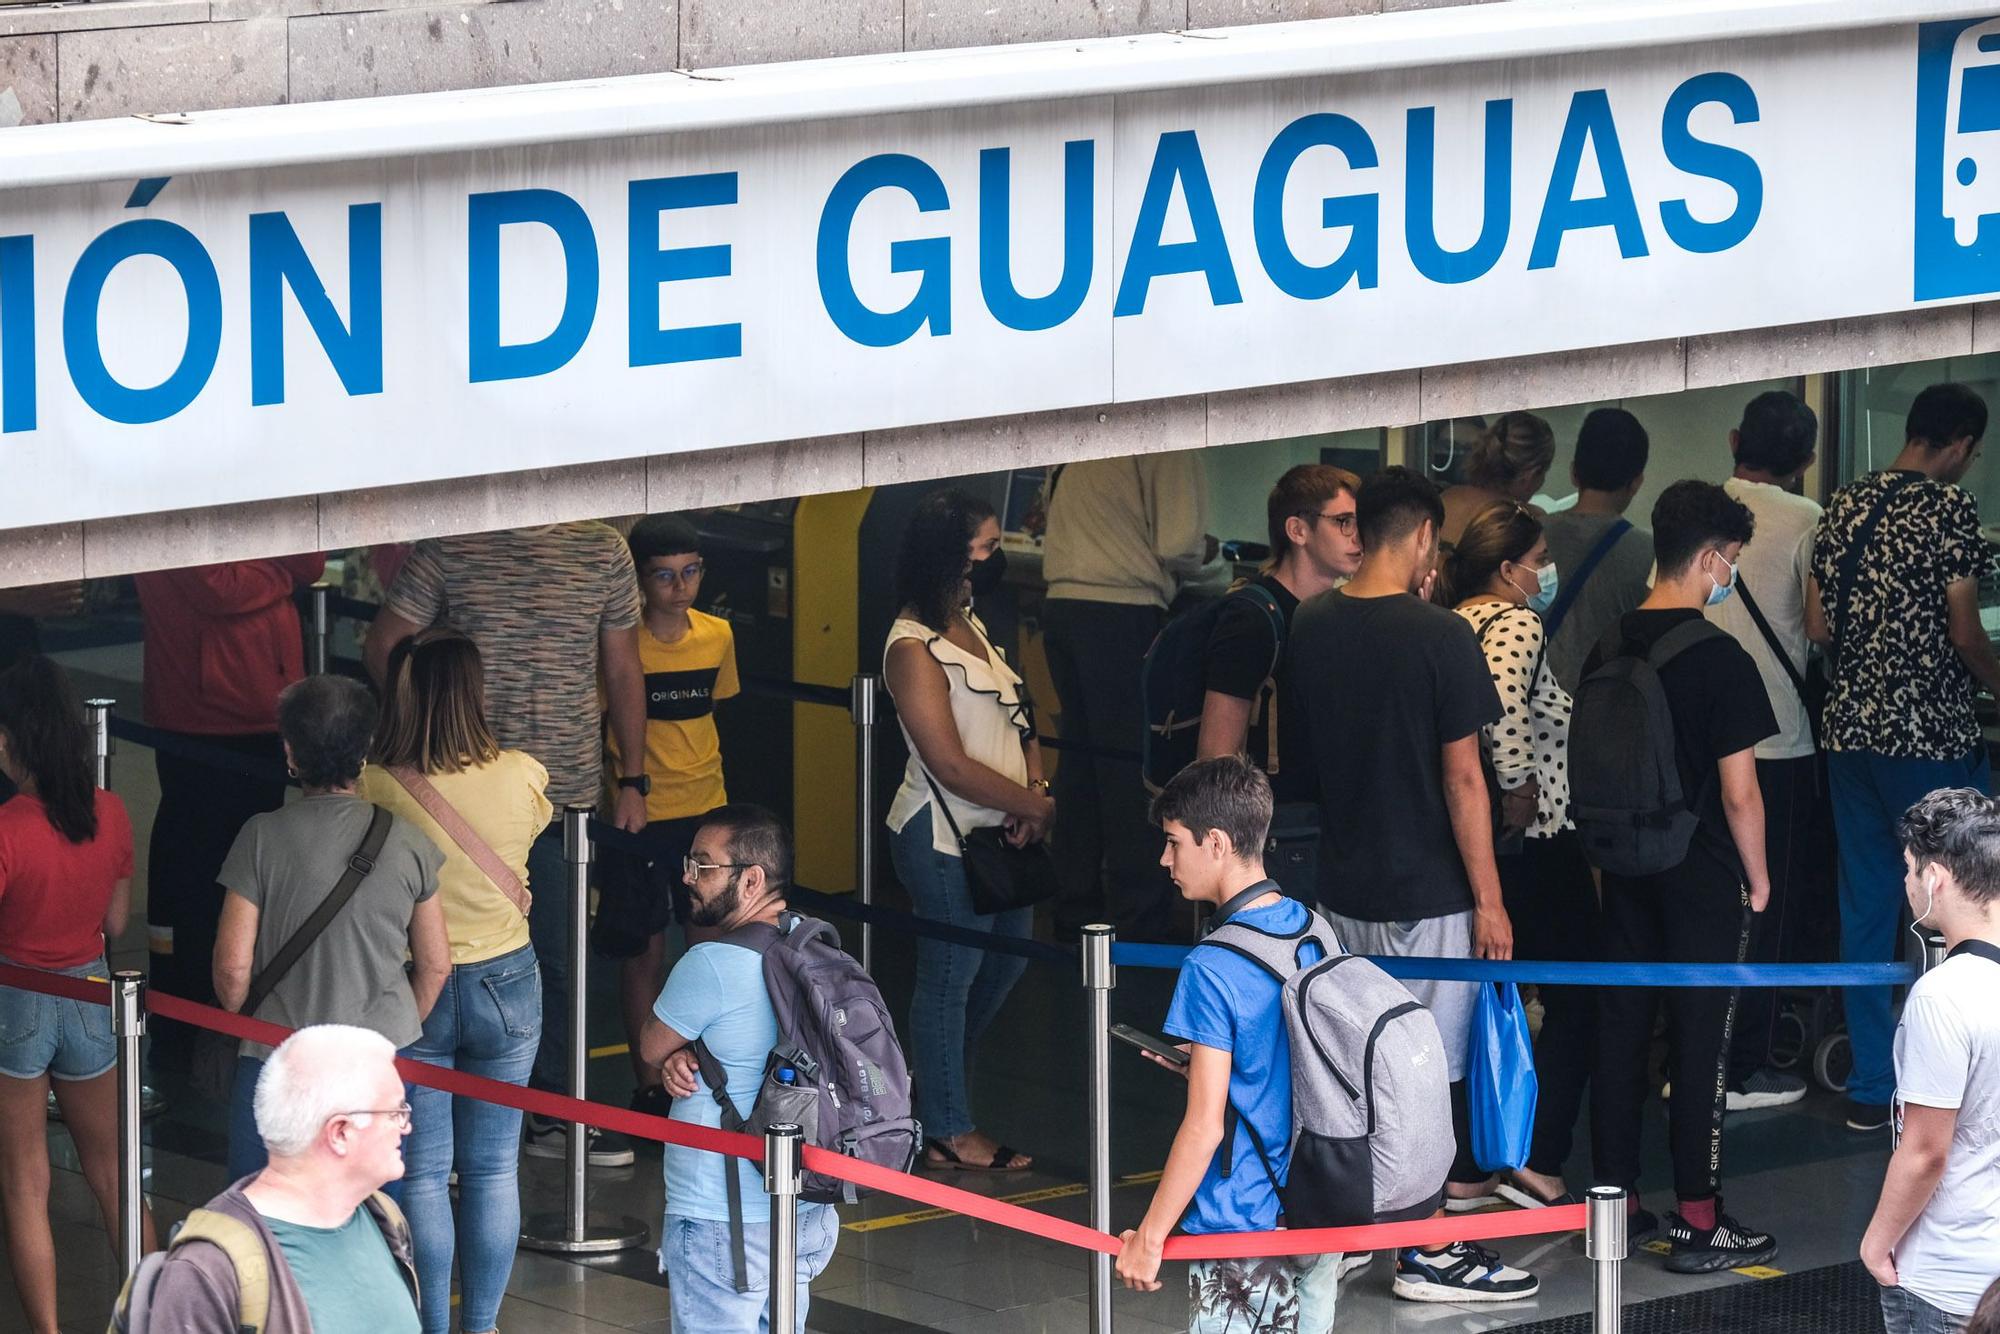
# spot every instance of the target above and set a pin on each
(1129, 531)
(1948, 1055)
(1776, 562)
(986, 706)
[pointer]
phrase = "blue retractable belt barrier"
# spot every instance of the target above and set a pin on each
(1171, 956)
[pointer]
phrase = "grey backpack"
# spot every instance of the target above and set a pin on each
(1371, 1089)
(1625, 787)
(837, 1069)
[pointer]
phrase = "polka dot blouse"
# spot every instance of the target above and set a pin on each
(1532, 734)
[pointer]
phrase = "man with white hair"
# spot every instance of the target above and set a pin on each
(335, 1251)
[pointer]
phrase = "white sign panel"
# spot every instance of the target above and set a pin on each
(252, 334)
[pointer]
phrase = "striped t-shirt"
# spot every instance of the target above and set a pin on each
(535, 601)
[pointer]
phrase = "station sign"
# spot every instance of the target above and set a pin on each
(240, 335)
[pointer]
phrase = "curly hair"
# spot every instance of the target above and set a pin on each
(1957, 828)
(931, 564)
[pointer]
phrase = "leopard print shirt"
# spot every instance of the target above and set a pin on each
(1899, 688)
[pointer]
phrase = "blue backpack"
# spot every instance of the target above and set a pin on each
(1174, 683)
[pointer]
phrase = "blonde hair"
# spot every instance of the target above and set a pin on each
(1516, 445)
(434, 706)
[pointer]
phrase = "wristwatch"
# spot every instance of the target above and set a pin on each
(1038, 784)
(642, 784)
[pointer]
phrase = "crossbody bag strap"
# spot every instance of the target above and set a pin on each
(944, 807)
(439, 808)
(1566, 597)
(1982, 948)
(358, 867)
(1848, 571)
(1792, 672)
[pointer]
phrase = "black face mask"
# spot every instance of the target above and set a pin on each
(985, 575)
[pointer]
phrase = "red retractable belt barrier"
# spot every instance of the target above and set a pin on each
(1234, 1245)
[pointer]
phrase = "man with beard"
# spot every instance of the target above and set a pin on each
(736, 874)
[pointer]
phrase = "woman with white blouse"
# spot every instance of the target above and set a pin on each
(1503, 579)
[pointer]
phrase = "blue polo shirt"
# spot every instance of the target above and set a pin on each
(716, 993)
(1226, 1002)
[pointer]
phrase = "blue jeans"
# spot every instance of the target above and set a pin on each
(486, 1022)
(695, 1255)
(246, 1146)
(1903, 1312)
(1870, 793)
(548, 933)
(959, 988)
(47, 1035)
(1290, 1295)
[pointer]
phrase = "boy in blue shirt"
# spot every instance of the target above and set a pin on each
(1215, 815)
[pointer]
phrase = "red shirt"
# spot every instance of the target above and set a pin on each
(221, 642)
(53, 892)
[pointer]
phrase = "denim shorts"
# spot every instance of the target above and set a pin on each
(48, 1035)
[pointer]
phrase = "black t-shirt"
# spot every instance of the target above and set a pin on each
(1382, 685)
(1239, 665)
(1720, 707)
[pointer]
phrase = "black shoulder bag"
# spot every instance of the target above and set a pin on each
(1001, 876)
(1812, 700)
(215, 1053)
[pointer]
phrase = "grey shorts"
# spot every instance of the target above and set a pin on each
(49, 1035)
(1450, 1003)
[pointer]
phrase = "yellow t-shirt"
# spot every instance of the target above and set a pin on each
(684, 679)
(504, 802)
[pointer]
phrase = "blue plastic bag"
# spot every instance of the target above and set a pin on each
(1500, 1079)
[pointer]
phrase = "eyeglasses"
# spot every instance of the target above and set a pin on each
(687, 575)
(1343, 522)
(691, 868)
(399, 1114)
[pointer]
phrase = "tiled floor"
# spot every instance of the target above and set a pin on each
(1796, 1172)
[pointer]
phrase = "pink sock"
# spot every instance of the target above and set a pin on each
(1700, 1214)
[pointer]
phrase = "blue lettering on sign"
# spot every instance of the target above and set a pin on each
(996, 240)
(1589, 124)
(1496, 215)
(1956, 240)
(105, 395)
(17, 333)
(930, 256)
(1697, 157)
(1177, 159)
(277, 261)
(486, 214)
(1362, 213)
(650, 266)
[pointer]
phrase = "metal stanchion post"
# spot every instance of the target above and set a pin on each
(783, 1175)
(570, 1232)
(1934, 949)
(316, 663)
(128, 1025)
(1604, 1246)
(98, 714)
(861, 707)
(1099, 976)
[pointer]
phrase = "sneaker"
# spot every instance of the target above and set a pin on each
(1518, 1194)
(1767, 1088)
(1462, 1272)
(1867, 1116)
(545, 1137)
(1353, 1263)
(1728, 1245)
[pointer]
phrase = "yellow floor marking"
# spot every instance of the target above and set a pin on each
(615, 1049)
(1024, 1197)
(1759, 1271)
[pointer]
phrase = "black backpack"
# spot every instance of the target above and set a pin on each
(1173, 683)
(1625, 788)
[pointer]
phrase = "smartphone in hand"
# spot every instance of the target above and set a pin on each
(1147, 1042)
